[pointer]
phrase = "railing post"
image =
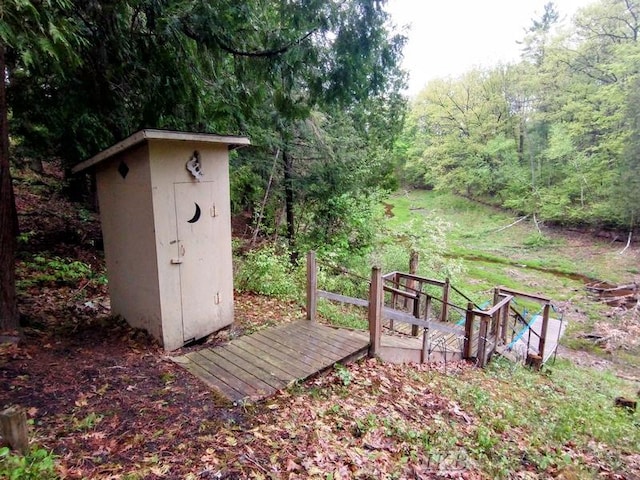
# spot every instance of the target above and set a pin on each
(482, 341)
(312, 286)
(496, 317)
(416, 314)
(426, 334)
(468, 332)
(543, 330)
(504, 322)
(496, 295)
(411, 287)
(376, 301)
(424, 354)
(394, 298)
(445, 301)
(394, 295)
(413, 269)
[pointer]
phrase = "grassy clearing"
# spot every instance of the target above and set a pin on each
(474, 232)
(552, 264)
(489, 258)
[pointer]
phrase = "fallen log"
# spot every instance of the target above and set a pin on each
(630, 287)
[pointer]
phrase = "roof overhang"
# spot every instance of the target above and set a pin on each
(152, 134)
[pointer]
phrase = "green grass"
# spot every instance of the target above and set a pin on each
(474, 232)
(519, 257)
(488, 254)
(469, 243)
(341, 315)
(522, 414)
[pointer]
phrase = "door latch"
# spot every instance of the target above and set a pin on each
(178, 260)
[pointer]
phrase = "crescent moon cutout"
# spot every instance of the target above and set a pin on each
(196, 216)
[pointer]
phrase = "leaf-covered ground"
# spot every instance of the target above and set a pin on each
(111, 405)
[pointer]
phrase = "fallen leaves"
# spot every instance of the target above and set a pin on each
(372, 429)
(106, 400)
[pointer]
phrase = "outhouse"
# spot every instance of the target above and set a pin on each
(166, 224)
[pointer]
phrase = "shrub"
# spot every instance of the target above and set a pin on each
(38, 464)
(267, 271)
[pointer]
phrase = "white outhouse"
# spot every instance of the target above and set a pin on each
(166, 224)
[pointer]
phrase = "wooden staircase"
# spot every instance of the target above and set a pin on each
(412, 319)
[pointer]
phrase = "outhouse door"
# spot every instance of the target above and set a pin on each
(200, 281)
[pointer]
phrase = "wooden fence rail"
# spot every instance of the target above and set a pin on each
(484, 329)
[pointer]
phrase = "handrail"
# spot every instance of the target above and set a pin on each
(411, 276)
(494, 323)
(518, 314)
(524, 321)
(495, 308)
(342, 270)
(402, 293)
(517, 293)
(465, 297)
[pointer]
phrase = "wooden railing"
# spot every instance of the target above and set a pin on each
(484, 329)
(492, 322)
(411, 288)
(519, 321)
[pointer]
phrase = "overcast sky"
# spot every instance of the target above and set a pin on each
(449, 37)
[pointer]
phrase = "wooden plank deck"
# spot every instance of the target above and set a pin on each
(256, 366)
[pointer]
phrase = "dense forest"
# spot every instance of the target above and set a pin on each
(317, 86)
(555, 136)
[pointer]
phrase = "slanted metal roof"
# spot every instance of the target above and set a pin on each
(152, 134)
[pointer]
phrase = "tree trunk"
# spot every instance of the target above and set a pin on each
(8, 217)
(521, 129)
(288, 204)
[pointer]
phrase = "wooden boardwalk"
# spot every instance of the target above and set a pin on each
(256, 366)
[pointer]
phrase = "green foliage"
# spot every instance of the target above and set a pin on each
(60, 270)
(421, 232)
(24, 237)
(316, 85)
(267, 271)
(246, 188)
(343, 374)
(554, 135)
(38, 464)
(537, 240)
(87, 423)
(39, 32)
(344, 225)
(192, 66)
